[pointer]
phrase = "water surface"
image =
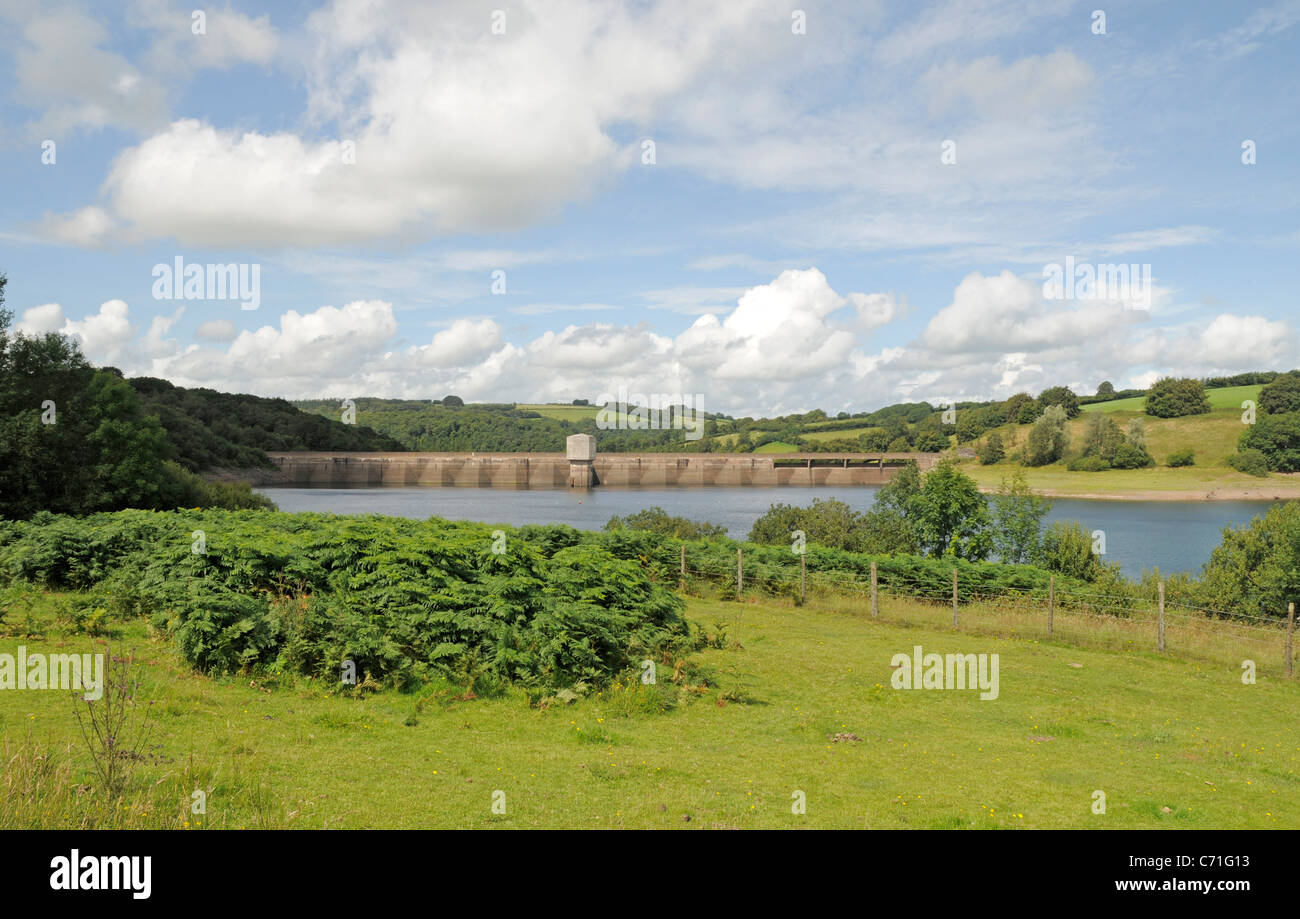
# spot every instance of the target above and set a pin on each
(1173, 535)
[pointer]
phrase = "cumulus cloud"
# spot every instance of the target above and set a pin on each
(61, 65)
(792, 344)
(438, 125)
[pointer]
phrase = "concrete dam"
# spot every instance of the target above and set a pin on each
(581, 467)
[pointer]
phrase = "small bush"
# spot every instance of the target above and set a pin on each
(992, 450)
(1251, 462)
(1182, 458)
(1128, 456)
(1088, 464)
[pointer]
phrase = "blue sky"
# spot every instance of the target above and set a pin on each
(797, 242)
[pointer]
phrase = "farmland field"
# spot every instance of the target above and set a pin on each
(1224, 397)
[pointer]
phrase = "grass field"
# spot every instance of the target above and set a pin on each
(1171, 743)
(1212, 436)
(1187, 482)
(846, 434)
(1226, 397)
(777, 446)
(562, 412)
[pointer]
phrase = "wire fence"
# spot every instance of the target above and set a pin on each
(1257, 644)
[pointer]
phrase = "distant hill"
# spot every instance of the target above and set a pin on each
(209, 429)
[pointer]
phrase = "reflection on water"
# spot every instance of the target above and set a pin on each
(1174, 535)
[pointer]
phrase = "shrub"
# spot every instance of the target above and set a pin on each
(1048, 438)
(1277, 437)
(931, 442)
(992, 451)
(1088, 464)
(1128, 456)
(658, 520)
(1182, 458)
(1067, 549)
(1171, 398)
(1251, 462)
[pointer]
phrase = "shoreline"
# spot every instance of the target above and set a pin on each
(1277, 487)
(1230, 493)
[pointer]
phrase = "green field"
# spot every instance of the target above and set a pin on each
(562, 412)
(846, 434)
(777, 446)
(1171, 742)
(1226, 397)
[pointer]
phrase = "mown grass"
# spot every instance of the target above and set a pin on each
(1173, 742)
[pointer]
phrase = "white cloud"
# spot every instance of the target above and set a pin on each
(87, 227)
(455, 128)
(464, 343)
(62, 66)
(48, 317)
(789, 345)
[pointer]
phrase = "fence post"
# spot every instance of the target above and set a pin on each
(1051, 602)
(1290, 633)
(803, 578)
(875, 596)
(683, 577)
(1160, 629)
(740, 571)
(954, 598)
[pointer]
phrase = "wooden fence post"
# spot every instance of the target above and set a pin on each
(954, 598)
(803, 578)
(740, 571)
(1290, 634)
(875, 596)
(1051, 602)
(1160, 628)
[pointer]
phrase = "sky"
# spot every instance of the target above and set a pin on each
(776, 206)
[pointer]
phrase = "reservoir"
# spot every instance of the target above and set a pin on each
(1171, 535)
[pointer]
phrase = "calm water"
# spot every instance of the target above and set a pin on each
(1174, 535)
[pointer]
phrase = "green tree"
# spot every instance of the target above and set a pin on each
(1282, 395)
(1106, 389)
(1176, 398)
(1066, 548)
(1101, 436)
(1048, 438)
(950, 515)
(1137, 433)
(1278, 438)
(1062, 396)
(970, 425)
(827, 522)
(992, 450)
(658, 520)
(1256, 568)
(1018, 514)
(1012, 407)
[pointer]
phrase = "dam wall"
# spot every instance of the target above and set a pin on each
(557, 470)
